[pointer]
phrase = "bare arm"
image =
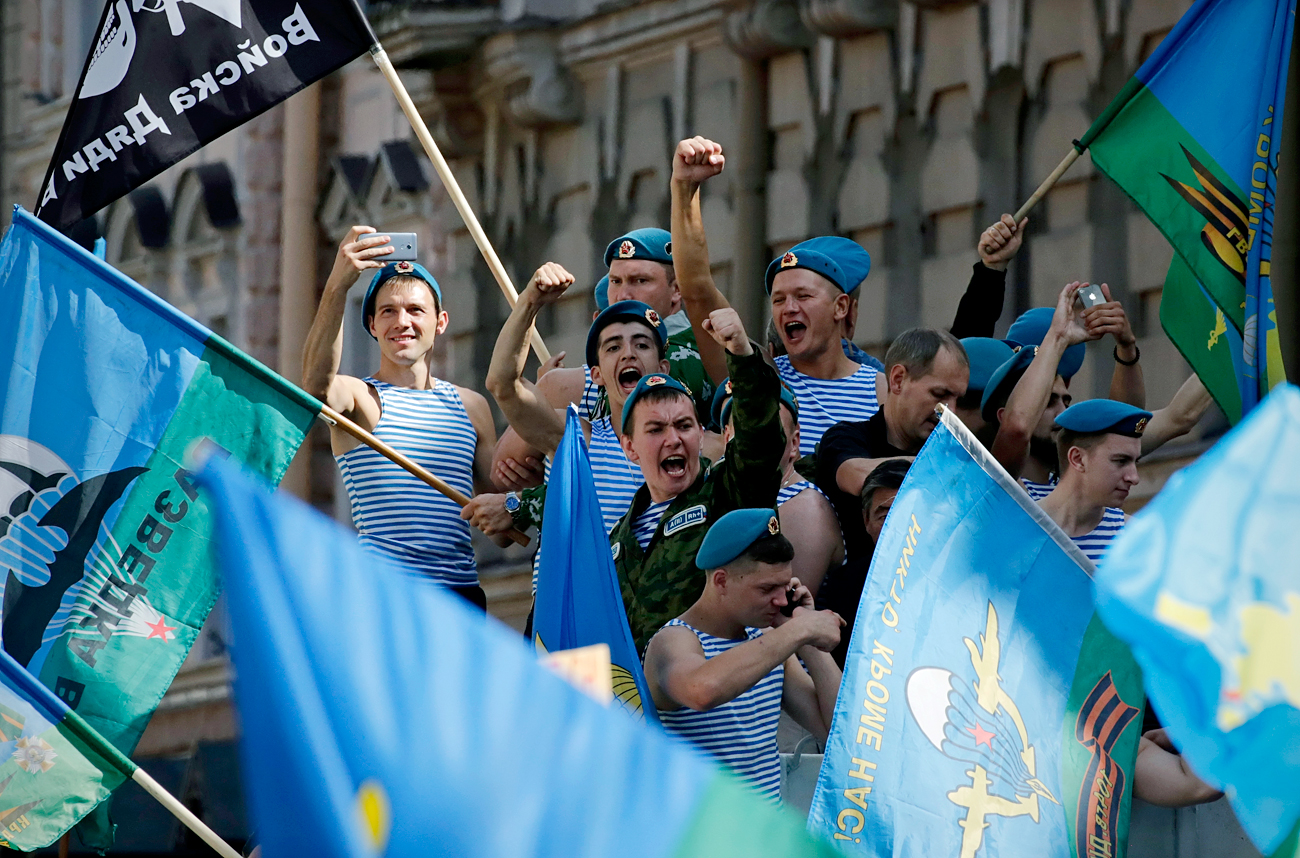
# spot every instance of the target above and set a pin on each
(680, 676)
(1126, 382)
(516, 464)
(1162, 777)
(525, 408)
(809, 522)
(695, 161)
(810, 690)
(323, 351)
(1178, 417)
(850, 475)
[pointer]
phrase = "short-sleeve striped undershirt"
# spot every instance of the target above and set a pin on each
(825, 402)
(396, 514)
(741, 734)
(648, 521)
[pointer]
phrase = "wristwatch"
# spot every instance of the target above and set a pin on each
(513, 503)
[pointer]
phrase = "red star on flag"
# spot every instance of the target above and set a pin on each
(159, 629)
(982, 736)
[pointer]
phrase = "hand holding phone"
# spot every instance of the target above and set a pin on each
(790, 603)
(1090, 295)
(404, 249)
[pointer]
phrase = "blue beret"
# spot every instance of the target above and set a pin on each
(986, 356)
(602, 293)
(654, 380)
(1104, 415)
(624, 311)
(730, 535)
(840, 260)
(649, 243)
(1031, 327)
(720, 408)
(1003, 381)
(393, 269)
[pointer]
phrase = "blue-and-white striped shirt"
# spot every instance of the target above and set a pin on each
(648, 522)
(396, 514)
(1095, 542)
(1038, 491)
(789, 492)
(617, 477)
(741, 733)
(825, 402)
(589, 406)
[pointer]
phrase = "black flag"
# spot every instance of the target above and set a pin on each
(165, 80)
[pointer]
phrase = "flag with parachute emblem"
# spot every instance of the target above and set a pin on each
(1194, 139)
(578, 598)
(166, 77)
(104, 562)
(985, 710)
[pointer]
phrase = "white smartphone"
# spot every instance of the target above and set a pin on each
(1090, 296)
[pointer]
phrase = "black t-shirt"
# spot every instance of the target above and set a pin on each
(841, 592)
(864, 439)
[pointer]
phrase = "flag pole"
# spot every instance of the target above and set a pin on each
(333, 418)
(109, 752)
(1047, 184)
(453, 189)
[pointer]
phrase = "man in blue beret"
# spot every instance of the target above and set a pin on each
(625, 342)
(640, 269)
(1098, 443)
(986, 354)
(654, 543)
(722, 671)
(446, 428)
(807, 517)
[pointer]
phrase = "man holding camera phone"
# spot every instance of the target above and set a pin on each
(445, 428)
(721, 673)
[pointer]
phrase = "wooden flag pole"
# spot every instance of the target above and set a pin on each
(181, 812)
(1046, 186)
(333, 418)
(453, 190)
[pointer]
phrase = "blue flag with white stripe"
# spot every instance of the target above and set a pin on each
(578, 599)
(985, 710)
(1204, 584)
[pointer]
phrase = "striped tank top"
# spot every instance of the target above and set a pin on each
(741, 733)
(793, 490)
(1038, 491)
(397, 515)
(825, 402)
(593, 403)
(1095, 542)
(616, 477)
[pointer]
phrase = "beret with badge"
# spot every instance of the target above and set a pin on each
(653, 381)
(624, 311)
(648, 242)
(840, 260)
(731, 535)
(1097, 416)
(389, 271)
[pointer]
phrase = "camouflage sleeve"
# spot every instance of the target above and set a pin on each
(532, 502)
(750, 473)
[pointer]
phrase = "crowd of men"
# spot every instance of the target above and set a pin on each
(743, 486)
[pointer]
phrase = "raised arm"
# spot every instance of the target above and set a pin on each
(1126, 383)
(1162, 777)
(695, 161)
(359, 251)
(1032, 393)
(1178, 417)
(981, 305)
(527, 410)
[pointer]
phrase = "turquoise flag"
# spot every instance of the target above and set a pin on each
(985, 710)
(380, 715)
(578, 598)
(1204, 584)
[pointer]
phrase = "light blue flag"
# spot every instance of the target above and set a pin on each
(382, 716)
(578, 599)
(1204, 584)
(985, 710)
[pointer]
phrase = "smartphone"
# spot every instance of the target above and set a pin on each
(790, 604)
(1090, 296)
(403, 247)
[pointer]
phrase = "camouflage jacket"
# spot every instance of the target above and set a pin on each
(661, 582)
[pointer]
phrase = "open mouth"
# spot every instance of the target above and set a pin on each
(674, 466)
(795, 330)
(628, 378)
